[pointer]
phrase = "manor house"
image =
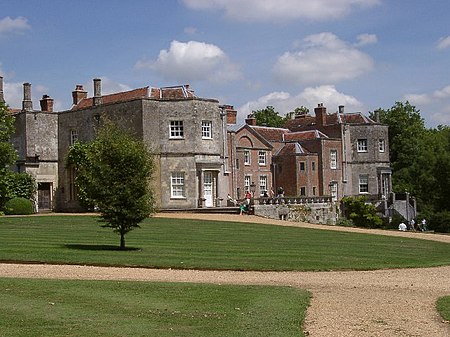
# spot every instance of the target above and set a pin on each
(202, 156)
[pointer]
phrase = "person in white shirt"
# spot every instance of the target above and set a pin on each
(402, 227)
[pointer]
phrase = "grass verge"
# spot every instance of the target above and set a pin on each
(443, 307)
(106, 308)
(168, 243)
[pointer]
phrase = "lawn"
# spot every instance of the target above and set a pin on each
(443, 307)
(106, 308)
(167, 243)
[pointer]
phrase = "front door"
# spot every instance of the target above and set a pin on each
(208, 188)
(44, 196)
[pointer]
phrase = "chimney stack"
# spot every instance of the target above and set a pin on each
(231, 114)
(321, 115)
(2, 98)
(97, 91)
(27, 103)
(251, 120)
(78, 94)
(46, 103)
(341, 109)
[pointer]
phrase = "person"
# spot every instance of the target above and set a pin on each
(243, 207)
(248, 197)
(231, 200)
(402, 227)
(424, 225)
(280, 192)
(413, 225)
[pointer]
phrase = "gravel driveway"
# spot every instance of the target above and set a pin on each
(397, 302)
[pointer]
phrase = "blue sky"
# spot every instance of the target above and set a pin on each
(364, 54)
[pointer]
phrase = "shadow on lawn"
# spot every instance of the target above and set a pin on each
(98, 247)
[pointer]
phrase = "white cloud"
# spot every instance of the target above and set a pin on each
(13, 26)
(192, 61)
(324, 59)
(365, 39)
(417, 99)
(13, 92)
(444, 42)
(310, 97)
(190, 30)
(281, 10)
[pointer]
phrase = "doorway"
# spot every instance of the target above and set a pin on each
(44, 196)
(208, 188)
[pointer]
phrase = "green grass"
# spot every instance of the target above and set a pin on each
(105, 308)
(443, 307)
(165, 243)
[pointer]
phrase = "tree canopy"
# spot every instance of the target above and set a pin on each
(269, 117)
(113, 174)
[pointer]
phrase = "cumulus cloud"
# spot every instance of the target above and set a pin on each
(281, 10)
(10, 26)
(284, 102)
(365, 39)
(443, 43)
(324, 59)
(192, 61)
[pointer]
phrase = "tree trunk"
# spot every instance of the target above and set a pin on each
(122, 241)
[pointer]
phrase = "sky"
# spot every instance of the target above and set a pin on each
(363, 54)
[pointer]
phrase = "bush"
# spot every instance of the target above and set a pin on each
(439, 221)
(18, 206)
(361, 213)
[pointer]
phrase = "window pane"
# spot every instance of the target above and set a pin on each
(206, 129)
(176, 129)
(177, 185)
(247, 157)
(262, 158)
(362, 145)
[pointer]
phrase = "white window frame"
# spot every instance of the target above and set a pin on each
(363, 183)
(247, 159)
(333, 159)
(262, 158)
(177, 187)
(362, 145)
(247, 182)
(206, 130)
(176, 129)
(73, 137)
(262, 185)
(381, 145)
(334, 191)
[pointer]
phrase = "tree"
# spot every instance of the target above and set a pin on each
(7, 153)
(268, 117)
(113, 174)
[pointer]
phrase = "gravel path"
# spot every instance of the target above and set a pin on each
(399, 302)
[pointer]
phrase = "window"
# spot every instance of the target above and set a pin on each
(73, 137)
(176, 129)
(313, 166)
(302, 166)
(363, 183)
(206, 129)
(262, 158)
(362, 145)
(262, 184)
(314, 190)
(247, 180)
(333, 159)
(303, 191)
(381, 145)
(177, 185)
(334, 190)
(246, 157)
(237, 163)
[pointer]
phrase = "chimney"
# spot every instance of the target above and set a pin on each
(231, 114)
(2, 98)
(321, 115)
(78, 94)
(376, 116)
(251, 120)
(97, 91)
(27, 103)
(341, 109)
(46, 103)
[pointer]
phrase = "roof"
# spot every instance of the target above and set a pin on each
(303, 135)
(331, 119)
(270, 133)
(291, 149)
(114, 98)
(176, 92)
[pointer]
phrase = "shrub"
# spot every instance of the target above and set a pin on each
(439, 221)
(19, 206)
(361, 213)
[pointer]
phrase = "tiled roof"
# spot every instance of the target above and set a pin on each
(113, 98)
(269, 133)
(303, 135)
(291, 149)
(331, 119)
(177, 92)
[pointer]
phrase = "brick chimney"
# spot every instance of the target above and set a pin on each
(27, 103)
(97, 91)
(2, 98)
(251, 120)
(231, 114)
(78, 94)
(321, 115)
(46, 103)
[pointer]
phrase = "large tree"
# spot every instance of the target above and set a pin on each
(7, 153)
(113, 174)
(269, 117)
